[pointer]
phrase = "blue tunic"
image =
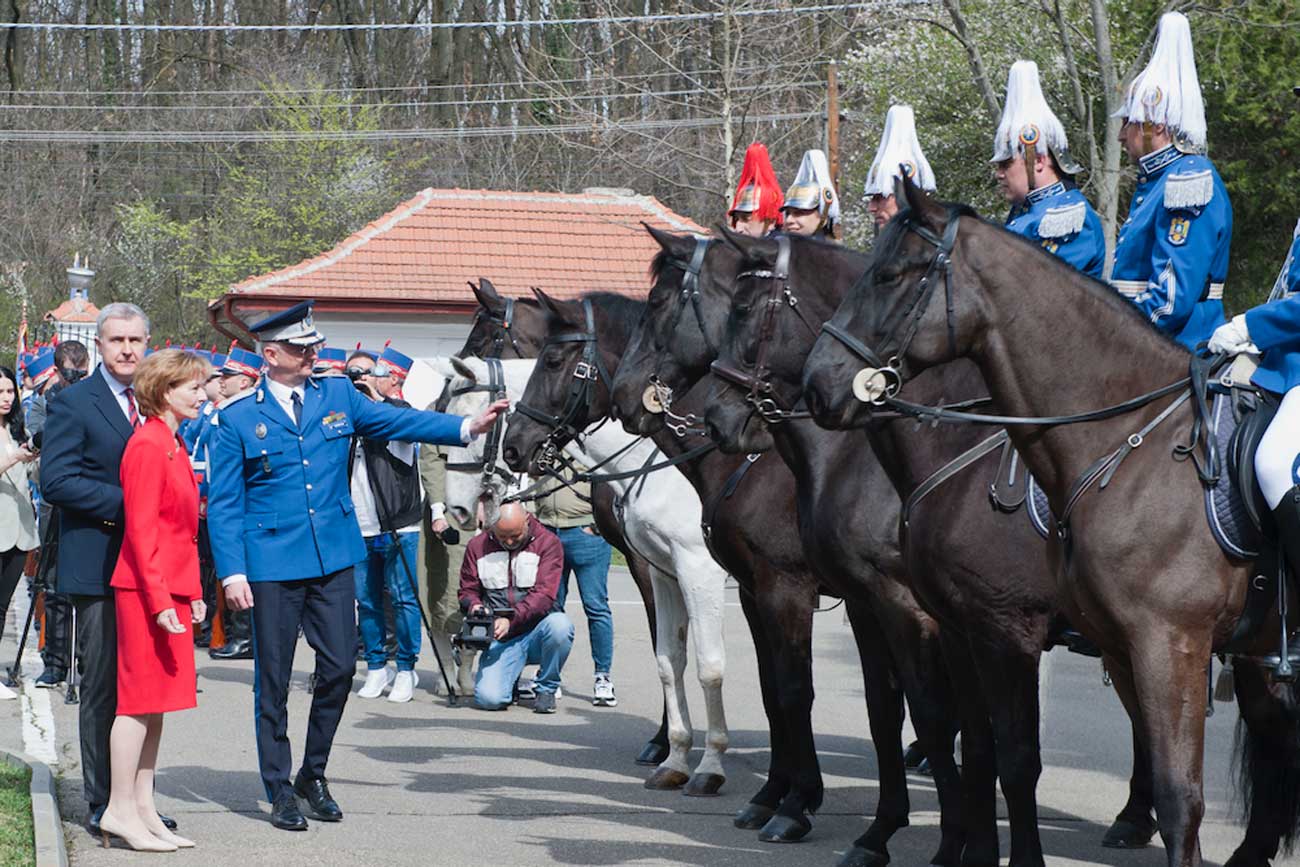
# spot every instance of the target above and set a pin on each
(1059, 218)
(1171, 257)
(1275, 329)
(279, 507)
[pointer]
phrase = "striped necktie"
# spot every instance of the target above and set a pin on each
(132, 414)
(297, 408)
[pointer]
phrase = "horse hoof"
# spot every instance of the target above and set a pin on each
(860, 856)
(753, 816)
(652, 754)
(704, 785)
(666, 779)
(1124, 834)
(784, 829)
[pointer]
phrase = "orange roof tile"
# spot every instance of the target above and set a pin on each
(429, 247)
(73, 310)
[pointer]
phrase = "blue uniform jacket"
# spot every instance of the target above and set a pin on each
(1275, 329)
(1171, 257)
(1059, 218)
(198, 436)
(279, 508)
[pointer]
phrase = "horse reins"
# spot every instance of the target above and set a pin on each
(758, 387)
(495, 388)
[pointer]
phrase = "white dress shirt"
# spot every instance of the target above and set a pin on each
(119, 391)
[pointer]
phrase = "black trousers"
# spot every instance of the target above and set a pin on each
(325, 608)
(11, 571)
(58, 617)
(97, 659)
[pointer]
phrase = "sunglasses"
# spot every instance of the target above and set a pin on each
(300, 351)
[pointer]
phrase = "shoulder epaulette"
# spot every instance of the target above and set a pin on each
(1190, 190)
(226, 404)
(1063, 221)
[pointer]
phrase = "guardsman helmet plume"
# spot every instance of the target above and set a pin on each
(813, 189)
(899, 155)
(1168, 91)
(758, 192)
(1028, 123)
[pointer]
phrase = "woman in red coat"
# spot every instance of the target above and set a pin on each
(157, 593)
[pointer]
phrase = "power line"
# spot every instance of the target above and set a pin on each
(464, 103)
(205, 136)
(458, 25)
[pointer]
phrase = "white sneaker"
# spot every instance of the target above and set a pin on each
(404, 686)
(602, 694)
(377, 680)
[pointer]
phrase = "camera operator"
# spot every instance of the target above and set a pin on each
(385, 485)
(513, 573)
(71, 364)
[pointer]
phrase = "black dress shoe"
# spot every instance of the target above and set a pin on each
(168, 822)
(317, 795)
(241, 648)
(92, 819)
(285, 814)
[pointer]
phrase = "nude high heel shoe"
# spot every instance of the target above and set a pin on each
(141, 843)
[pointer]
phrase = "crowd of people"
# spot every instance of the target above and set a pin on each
(238, 501)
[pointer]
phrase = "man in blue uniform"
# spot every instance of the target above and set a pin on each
(285, 538)
(1171, 257)
(1035, 172)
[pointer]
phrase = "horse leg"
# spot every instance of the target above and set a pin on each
(656, 749)
(705, 599)
(885, 717)
(763, 805)
(978, 756)
(1009, 677)
(1134, 827)
(1169, 673)
(1268, 748)
(919, 652)
(670, 654)
(787, 613)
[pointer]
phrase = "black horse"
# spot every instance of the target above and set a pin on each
(771, 558)
(1140, 573)
(515, 328)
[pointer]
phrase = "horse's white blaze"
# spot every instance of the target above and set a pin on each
(661, 519)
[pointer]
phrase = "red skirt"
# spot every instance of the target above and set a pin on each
(155, 669)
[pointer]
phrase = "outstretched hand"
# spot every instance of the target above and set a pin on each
(483, 422)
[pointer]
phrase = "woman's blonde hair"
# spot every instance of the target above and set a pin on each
(162, 371)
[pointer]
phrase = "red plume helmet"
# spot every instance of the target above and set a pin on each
(758, 191)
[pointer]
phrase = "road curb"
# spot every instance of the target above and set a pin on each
(47, 825)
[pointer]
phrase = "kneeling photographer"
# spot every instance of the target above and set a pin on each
(511, 573)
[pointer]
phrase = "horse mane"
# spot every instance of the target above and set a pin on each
(895, 232)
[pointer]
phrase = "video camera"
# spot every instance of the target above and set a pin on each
(476, 630)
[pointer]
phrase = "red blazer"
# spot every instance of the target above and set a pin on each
(160, 553)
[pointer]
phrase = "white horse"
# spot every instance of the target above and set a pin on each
(661, 516)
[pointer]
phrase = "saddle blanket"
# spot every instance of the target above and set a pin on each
(1225, 511)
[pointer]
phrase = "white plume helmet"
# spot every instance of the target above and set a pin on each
(1168, 91)
(1026, 117)
(899, 155)
(812, 188)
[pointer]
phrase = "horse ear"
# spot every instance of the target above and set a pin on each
(674, 245)
(923, 205)
(549, 305)
(461, 368)
(487, 296)
(751, 248)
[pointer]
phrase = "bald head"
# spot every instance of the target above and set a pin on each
(511, 527)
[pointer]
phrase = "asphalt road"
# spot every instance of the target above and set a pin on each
(424, 783)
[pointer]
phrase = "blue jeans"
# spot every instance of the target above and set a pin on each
(383, 566)
(547, 645)
(587, 556)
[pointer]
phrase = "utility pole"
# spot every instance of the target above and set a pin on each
(833, 129)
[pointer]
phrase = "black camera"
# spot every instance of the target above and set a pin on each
(476, 630)
(450, 536)
(72, 374)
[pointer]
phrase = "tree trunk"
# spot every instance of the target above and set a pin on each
(1106, 176)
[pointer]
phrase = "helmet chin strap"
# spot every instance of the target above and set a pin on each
(1148, 130)
(1029, 140)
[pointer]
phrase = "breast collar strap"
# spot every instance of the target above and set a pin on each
(760, 394)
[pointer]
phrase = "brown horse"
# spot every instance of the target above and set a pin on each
(1139, 572)
(515, 328)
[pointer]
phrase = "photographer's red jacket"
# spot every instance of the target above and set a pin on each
(525, 581)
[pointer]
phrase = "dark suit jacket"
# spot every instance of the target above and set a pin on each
(81, 458)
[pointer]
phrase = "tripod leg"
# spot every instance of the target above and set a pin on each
(74, 674)
(452, 696)
(15, 671)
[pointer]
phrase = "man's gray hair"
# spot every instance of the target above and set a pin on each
(120, 310)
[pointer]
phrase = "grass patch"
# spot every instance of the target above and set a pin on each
(17, 844)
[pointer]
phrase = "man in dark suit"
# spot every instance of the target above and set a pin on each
(85, 434)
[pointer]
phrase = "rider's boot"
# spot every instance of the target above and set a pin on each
(1287, 519)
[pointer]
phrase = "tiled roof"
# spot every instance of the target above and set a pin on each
(430, 246)
(74, 310)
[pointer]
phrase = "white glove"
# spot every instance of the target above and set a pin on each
(1232, 337)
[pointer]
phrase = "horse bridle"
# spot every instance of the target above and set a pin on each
(587, 374)
(758, 387)
(503, 332)
(658, 397)
(882, 379)
(495, 388)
